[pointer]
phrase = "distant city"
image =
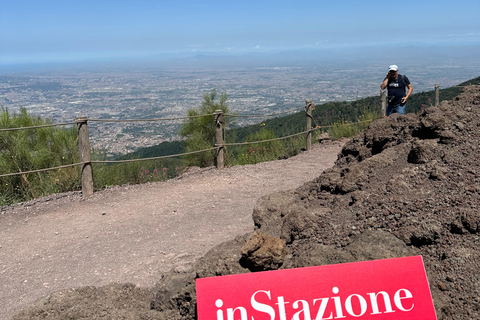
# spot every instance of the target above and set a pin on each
(165, 91)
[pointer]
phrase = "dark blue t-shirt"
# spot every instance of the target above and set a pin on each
(398, 89)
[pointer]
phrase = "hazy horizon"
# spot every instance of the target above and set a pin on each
(54, 31)
(406, 56)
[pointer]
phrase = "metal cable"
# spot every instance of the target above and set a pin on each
(154, 119)
(40, 126)
(153, 158)
(276, 139)
(42, 170)
(103, 161)
(260, 115)
(103, 120)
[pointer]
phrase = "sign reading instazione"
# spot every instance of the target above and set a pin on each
(392, 289)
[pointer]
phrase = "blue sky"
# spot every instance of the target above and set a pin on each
(65, 30)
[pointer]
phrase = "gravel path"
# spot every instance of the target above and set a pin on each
(136, 233)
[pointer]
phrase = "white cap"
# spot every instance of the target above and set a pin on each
(393, 67)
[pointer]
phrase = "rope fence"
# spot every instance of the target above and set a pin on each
(38, 127)
(42, 170)
(150, 120)
(154, 158)
(84, 143)
(104, 162)
(263, 115)
(268, 140)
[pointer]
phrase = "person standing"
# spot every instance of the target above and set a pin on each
(397, 86)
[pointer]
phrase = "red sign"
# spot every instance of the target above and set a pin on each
(375, 290)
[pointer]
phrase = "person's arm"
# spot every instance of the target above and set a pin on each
(409, 93)
(385, 82)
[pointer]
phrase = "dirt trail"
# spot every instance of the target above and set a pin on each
(136, 233)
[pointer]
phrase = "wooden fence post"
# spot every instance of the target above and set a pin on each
(84, 150)
(383, 99)
(437, 95)
(308, 111)
(219, 139)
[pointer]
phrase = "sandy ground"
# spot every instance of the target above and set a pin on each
(136, 233)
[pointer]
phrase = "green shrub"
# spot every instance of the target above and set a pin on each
(33, 149)
(344, 128)
(292, 146)
(260, 152)
(134, 172)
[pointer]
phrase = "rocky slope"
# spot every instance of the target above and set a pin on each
(408, 185)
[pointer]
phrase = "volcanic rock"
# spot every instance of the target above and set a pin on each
(263, 252)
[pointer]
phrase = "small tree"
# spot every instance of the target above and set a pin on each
(200, 131)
